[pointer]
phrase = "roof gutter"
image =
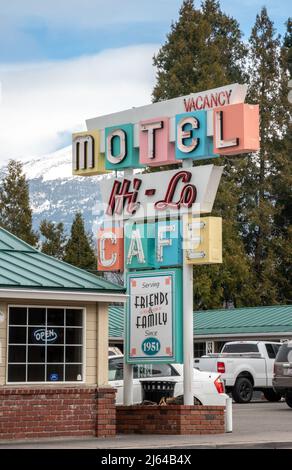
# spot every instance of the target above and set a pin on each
(79, 296)
(243, 335)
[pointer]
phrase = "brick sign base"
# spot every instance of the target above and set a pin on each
(44, 412)
(170, 419)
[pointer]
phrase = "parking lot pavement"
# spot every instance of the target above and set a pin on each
(258, 424)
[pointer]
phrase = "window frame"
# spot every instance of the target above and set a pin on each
(46, 382)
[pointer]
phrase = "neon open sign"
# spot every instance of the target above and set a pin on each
(43, 335)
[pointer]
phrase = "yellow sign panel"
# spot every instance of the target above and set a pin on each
(202, 240)
(87, 159)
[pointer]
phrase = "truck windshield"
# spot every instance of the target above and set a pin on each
(240, 348)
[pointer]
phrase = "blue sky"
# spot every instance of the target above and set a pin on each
(62, 61)
(60, 29)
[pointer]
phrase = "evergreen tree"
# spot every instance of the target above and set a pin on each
(78, 250)
(15, 211)
(54, 243)
(265, 180)
(282, 181)
(287, 46)
(204, 50)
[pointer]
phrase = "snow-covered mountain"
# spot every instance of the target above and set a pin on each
(57, 195)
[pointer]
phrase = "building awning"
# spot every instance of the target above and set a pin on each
(29, 274)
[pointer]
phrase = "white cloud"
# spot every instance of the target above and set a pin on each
(41, 102)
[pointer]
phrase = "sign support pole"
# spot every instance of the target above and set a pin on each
(188, 339)
(128, 368)
(188, 323)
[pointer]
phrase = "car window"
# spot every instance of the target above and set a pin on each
(276, 348)
(285, 353)
(154, 370)
(240, 348)
(270, 350)
(116, 369)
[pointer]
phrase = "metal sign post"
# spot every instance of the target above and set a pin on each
(128, 395)
(188, 323)
(188, 339)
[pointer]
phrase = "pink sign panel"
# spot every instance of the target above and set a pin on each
(155, 148)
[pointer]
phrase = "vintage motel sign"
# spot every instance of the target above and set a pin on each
(202, 240)
(87, 158)
(236, 129)
(110, 249)
(154, 317)
(139, 246)
(160, 194)
(194, 127)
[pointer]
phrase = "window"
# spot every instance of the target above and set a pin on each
(45, 344)
(116, 369)
(285, 353)
(241, 348)
(141, 371)
(276, 348)
(153, 370)
(272, 349)
(199, 349)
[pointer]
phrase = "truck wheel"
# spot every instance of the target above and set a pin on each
(289, 399)
(271, 395)
(242, 391)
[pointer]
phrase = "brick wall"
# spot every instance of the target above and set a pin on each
(170, 419)
(44, 412)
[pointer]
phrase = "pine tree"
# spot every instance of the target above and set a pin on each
(54, 238)
(204, 50)
(287, 46)
(15, 211)
(78, 250)
(267, 168)
(282, 181)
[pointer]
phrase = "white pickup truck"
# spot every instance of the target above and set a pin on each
(244, 366)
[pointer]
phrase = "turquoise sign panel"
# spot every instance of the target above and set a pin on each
(154, 317)
(120, 152)
(139, 245)
(191, 136)
(168, 243)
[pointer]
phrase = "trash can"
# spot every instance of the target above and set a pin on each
(154, 390)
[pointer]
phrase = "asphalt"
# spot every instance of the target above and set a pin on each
(255, 425)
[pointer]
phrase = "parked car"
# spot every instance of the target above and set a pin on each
(208, 387)
(114, 351)
(244, 366)
(282, 381)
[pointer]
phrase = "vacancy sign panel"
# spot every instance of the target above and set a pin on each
(154, 317)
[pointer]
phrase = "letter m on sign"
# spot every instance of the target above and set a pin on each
(87, 159)
(83, 152)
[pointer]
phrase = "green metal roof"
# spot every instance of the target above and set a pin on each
(277, 318)
(116, 321)
(22, 266)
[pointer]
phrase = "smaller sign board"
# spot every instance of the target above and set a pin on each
(162, 194)
(154, 317)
